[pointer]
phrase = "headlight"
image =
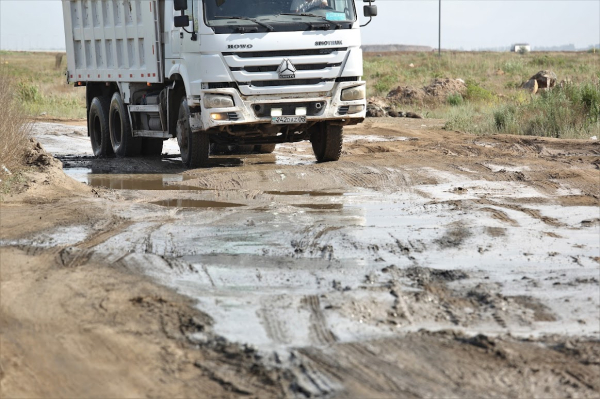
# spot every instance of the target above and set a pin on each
(217, 101)
(354, 93)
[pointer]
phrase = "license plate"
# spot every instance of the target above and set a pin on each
(287, 120)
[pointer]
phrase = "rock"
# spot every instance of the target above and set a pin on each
(375, 111)
(531, 86)
(545, 79)
(499, 72)
(393, 113)
(413, 115)
(411, 65)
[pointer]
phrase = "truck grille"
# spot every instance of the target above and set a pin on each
(273, 68)
(286, 82)
(256, 71)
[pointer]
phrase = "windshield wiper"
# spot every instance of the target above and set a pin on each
(269, 27)
(302, 14)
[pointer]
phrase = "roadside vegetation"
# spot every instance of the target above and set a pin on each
(493, 101)
(14, 130)
(39, 84)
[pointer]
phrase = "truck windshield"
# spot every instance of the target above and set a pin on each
(227, 16)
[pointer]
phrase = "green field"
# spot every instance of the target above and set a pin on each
(41, 87)
(492, 103)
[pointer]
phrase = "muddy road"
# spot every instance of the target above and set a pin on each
(425, 263)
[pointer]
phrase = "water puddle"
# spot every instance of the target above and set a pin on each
(130, 181)
(189, 203)
(306, 193)
(321, 207)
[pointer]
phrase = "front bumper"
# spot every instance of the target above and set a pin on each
(252, 110)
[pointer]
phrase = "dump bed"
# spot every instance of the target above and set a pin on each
(113, 41)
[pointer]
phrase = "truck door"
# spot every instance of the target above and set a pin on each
(176, 34)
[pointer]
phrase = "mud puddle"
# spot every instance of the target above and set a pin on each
(150, 182)
(190, 203)
(345, 268)
(305, 193)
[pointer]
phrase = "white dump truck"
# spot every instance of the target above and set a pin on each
(216, 74)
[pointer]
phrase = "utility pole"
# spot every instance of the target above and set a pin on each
(440, 32)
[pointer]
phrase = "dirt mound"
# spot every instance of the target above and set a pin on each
(37, 156)
(407, 94)
(444, 87)
(44, 177)
(438, 89)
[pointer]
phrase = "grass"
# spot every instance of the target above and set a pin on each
(493, 102)
(41, 85)
(14, 130)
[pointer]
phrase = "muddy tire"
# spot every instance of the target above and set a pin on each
(194, 147)
(265, 148)
(121, 136)
(152, 147)
(99, 128)
(326, 142)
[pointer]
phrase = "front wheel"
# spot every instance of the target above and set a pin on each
(194, 146)
(326, 140)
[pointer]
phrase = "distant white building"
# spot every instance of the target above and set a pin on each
(520, 47)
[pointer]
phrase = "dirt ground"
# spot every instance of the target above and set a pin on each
(425, 263)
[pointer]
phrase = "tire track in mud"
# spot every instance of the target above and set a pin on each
(503, 217)
(318, 330)
(345, 175)
(77, 255)
(352, 364)
(272, 322)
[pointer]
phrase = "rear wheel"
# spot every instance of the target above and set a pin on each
(121, 136)
(265, 148)
(327, 141)
(98, 127)
(152, 147)
(194, 146)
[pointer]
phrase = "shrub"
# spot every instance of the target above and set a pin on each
(454, 99)
(505, 119)
(13, 127)
(477, 93)
(28, 93)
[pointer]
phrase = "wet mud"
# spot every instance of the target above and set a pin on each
(421, 257)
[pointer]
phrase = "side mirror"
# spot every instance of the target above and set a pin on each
(182, 21)
(180, 5)
(370, 11)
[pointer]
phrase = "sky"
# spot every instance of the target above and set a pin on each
(466, 24)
